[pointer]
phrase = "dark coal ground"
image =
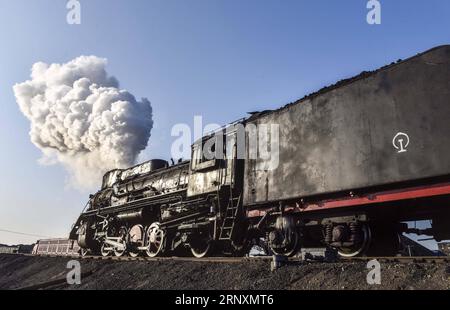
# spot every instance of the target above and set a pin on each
(22, 271)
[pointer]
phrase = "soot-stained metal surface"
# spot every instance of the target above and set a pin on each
(388, 127)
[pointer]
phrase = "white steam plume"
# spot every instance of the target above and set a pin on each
(79, 117)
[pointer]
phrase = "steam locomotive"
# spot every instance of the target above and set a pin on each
(354, 163)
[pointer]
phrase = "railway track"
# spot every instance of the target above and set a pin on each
(402, 259)
(391, 259)
(158, 259)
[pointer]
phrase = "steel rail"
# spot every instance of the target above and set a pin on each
(393, 259)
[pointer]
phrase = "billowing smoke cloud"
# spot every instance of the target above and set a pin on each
(81, 118)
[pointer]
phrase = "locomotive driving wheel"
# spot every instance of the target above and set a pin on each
(122, 234)
(104, 251)
(136, 240)
(155, 240)
(84, 252)
(201, 244)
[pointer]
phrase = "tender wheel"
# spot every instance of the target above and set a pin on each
(240, 250)
(122, 234)
(155, 240)
(284, 239)
(290, 249)
(359, 248)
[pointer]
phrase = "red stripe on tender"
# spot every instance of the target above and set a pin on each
(388, 196)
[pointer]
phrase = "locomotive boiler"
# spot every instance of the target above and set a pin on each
(354, 162)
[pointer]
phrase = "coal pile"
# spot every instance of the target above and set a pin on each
(23, 271)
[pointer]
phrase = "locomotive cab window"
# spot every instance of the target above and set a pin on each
(207, 153)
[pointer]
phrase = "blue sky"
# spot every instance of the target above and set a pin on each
(218, 59)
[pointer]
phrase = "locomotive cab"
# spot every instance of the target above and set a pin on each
(213, 162)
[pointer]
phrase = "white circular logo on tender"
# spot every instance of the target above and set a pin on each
(401, 142)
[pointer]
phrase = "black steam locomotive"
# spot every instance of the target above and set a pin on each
(347, 167)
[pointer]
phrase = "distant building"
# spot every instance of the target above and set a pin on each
(15, 249)
(5, 249)
(57, 246)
